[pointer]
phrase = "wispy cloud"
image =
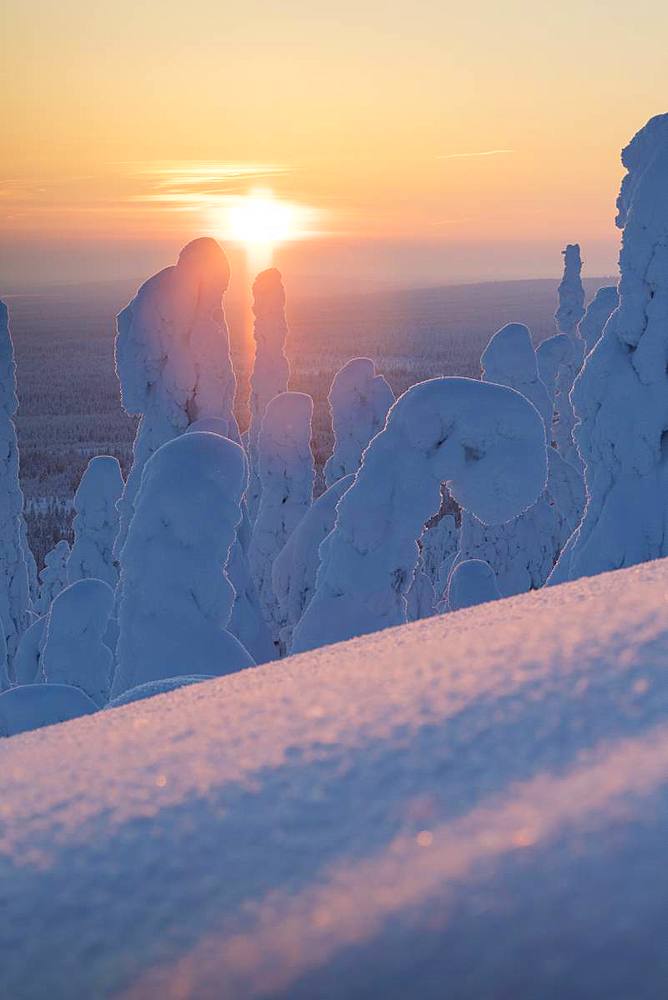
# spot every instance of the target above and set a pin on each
(465, 156)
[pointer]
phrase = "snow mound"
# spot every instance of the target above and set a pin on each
(96, 522)
(478, 800)
(358, 401)
(472, 581)
(509, 359)
(153, 688)
(33, 706)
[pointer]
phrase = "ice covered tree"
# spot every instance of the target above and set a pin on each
(621, 395)
(271, 371)
(296, 566)
(286, 469)
(471, 582)
(486, 442)
(421, 596)
(27, 660)
(175, 598)
(358, 401)
(509, 359)
(96, 522)
(53, 578)
(173, 358)
(74, 650)
(597, 315)
(567, 317)
(15, 603)
(551, 354)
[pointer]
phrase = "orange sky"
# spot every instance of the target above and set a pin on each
(134, 121)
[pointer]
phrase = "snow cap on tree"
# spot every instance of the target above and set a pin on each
(271, 370)
(358, 401)
(486, 442)
(621, 395)
(175, 595)
(509, 359)
(74, 649)
(597, 315)
(471, 582)
(571, 294)
(173, 357)
(286, 477)
(96, 522)
(568, 317)
(53, 578)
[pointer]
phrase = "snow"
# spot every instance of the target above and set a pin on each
(286, 470)
(597, 315)
(568, 315)
(27, 661)
(478, 800)
(74, 650)
(15, 601)
(53, 578)
(271, 370)
(439, 544)
(621, 395)
(551, 354)
(152, 688)
(485, 441)
(96, 522)
(472, 581)
(173, 357)
(358, 401)
(33, 706)
(175, 596)
(509, 359)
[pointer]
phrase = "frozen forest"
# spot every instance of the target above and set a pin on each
(217, 547)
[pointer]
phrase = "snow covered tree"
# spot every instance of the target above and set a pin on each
(439, 544)
(53, 578)
(358, 401)
(597, 315)
(286, 480)
(33, 706)
(486, 442)
(421, 596)
(5, 681)
(551, 354)
(28, 657)
(568, 317)
(471, 582)
(15, 603)
(509, 359)
(96, 522)
(74, 650)
(175, 597)
(621, 395)
(271, 370)
(296, 566)
(173, 358)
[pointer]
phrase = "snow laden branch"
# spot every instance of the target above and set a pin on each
(621, 395)
(358, 401)
(175, 597)
(485, 441)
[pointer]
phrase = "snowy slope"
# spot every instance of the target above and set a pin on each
(471, 806)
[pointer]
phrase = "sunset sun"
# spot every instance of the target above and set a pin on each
(260, 222)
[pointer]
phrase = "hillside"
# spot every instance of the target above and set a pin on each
(472, 806)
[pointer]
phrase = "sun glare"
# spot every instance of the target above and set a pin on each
(260, 221)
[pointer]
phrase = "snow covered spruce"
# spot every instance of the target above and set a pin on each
(567, 317)
(358, 401)
(175, 597)
(621, 395)
(53, 578)
(96, 522)
(485, 441)
(271, 371)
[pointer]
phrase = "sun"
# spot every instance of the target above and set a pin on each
(260, 222)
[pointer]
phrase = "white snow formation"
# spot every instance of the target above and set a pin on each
(296, 566)
(96, 522)
(551, 354)
(271, 370)
(286, 469)
(421, 596)
(15, 602)
(597, 315)
(472, 581)
(509, 359)
(413, 809)
(175, 596)
(74, 650)
(621, 395)
(485, 441)
(27, 661)
(53, 578)
(439, 545)
(153, 688)
(173, 357)
(33, 706)
(568, 317)
(358, 401)
(5, 680)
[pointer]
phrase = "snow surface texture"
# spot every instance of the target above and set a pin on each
(358, 401)
(175, 597)
(286, 482)
(74, 650)
(621, 395)
(567, 317)
(296, 566)
(471, 582)
(27, 661)
(271, 371)
(15, 603)
(34, 706)
(486, 442)
(53, 578)
(522, 552)
(173, 357)
(96, 522)
(479, 800)
(597, 315)
(246, 621)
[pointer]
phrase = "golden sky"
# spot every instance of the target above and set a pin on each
(136, 119)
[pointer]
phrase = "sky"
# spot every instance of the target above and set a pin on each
(426, 140)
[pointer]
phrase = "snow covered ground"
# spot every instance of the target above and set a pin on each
(472, 806)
